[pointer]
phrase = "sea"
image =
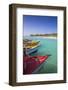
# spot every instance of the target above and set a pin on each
(47, 47)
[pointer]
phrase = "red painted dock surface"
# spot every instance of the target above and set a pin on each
(30, 63)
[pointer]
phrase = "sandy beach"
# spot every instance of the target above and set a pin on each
(50, 37)
(46, 37)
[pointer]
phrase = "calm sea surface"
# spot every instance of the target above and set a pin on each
(47, 46)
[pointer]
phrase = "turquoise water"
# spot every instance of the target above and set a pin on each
(47, 46)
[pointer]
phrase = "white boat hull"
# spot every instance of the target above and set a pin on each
(31, 50)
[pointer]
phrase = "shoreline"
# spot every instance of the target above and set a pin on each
(50, 37)
(45, 37)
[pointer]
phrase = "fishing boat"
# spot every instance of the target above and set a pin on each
(31, 63)
(31, 46)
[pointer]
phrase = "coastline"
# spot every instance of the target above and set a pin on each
(50, 37)
(46, 37)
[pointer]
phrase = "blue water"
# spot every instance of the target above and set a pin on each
(47, 46)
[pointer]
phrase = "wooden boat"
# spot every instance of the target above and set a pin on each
(31, 46)
(30, 63)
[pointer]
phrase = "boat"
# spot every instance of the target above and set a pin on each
(31, 63)
(32, 49)
(31, 46)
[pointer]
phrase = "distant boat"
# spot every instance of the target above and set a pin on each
(31, 63)
(31, 46)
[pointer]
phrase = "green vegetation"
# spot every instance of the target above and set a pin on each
(46, 35)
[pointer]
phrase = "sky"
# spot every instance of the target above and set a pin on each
(39, 24)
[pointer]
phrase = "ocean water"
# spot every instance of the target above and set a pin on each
(47, 47)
